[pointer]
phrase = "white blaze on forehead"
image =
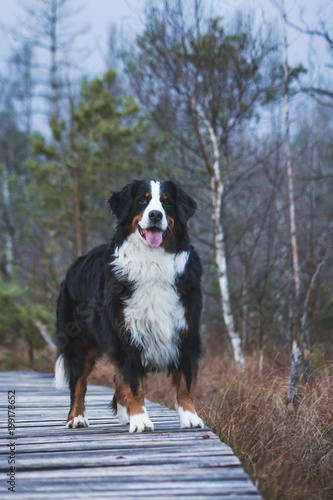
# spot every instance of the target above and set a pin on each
(154, 204)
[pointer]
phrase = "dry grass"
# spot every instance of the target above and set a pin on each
(289, 455)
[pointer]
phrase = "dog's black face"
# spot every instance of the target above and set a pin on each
(157, 211)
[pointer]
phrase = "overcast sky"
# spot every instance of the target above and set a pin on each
(126, 14)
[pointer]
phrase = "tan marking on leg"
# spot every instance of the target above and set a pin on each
(135, 406)
(184, 402)
(78, 407)
(184, 397)
(134, 403)
(119, 390)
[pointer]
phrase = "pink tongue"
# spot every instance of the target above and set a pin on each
(154, 238)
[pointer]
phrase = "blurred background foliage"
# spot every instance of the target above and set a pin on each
(136, 121)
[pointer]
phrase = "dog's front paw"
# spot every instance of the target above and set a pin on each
(79, 421)
(189, 419)
(140, 423)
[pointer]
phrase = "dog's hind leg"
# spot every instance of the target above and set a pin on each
(78, 387)
(118, 404)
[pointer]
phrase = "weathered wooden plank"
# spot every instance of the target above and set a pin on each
(93, 460)
(155, 484)
(130, 441)
(87, 445)
(146, 471)
(97, 429)
(165, 495)
(83, 446)
(139, 494)
(104, 460)
(151, 448)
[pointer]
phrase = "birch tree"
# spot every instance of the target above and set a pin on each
(300, 347)
(296, 354)
(9, 235)
(217, 194)
(189, 71)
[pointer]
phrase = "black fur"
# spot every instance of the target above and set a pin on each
(91, 298)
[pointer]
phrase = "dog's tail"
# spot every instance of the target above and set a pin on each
(60, 374)
(113, 405)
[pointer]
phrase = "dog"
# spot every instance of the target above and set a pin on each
(138, 300)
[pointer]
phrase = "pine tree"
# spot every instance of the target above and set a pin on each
(106, 143)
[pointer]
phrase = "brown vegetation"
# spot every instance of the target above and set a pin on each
(288, 455)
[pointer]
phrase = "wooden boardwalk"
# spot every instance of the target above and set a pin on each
(104, 460)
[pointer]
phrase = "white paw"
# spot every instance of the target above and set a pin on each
(189, 419)
(80, 421)
(141, 422)
(122, 415)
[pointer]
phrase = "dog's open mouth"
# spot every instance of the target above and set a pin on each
(153, 235)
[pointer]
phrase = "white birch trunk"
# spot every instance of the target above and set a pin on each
(54, 64)
(244, 307)
(261, 362)
(217, 189)
(294, 374)
(8, 236)
(45, 336)
(290, 178)
(296, 355)
(304, 328)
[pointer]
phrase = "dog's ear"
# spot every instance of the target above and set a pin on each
(120, 202)
(186, 205)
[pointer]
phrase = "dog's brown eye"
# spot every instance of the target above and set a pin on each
(166, 203)
(143, 200)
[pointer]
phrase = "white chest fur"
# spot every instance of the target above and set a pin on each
(153, 314)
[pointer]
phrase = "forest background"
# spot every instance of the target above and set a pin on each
(211, 102)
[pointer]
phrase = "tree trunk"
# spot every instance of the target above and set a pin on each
(261, 361)
(10, 229)
(77, 211)
(244, 307)
(221, 262)
(76, 189)
(54, 68)
(217, 191)
(294, 374)
(261, 345)
(295, 365)
(306, 344)
(45, 335)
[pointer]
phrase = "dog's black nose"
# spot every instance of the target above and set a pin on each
(155, 216)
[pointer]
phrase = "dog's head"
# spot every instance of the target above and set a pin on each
(157, 211)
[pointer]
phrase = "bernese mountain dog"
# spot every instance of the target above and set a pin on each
(138, 300)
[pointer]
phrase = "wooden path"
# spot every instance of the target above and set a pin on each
(104, 460)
